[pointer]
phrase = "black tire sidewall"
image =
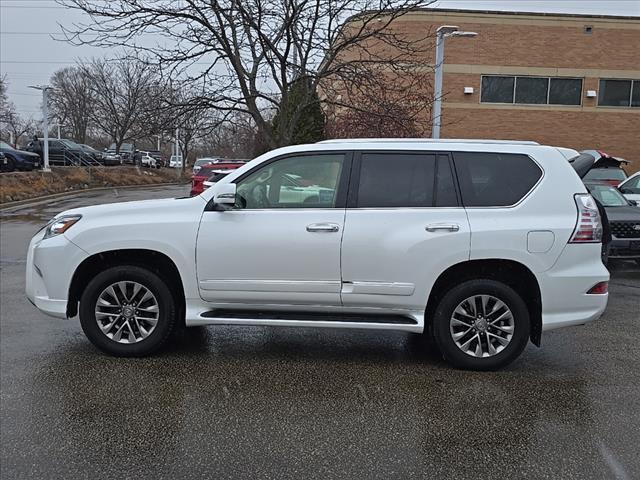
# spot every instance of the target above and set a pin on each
(452, 299)
(11, 164)
(150, 280)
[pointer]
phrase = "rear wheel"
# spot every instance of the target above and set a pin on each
(481, 325)
(10, 166)
(127, 311)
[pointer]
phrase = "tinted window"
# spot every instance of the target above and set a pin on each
(495, 179)
(614, 93)
(497, 89)
(565, 91)
(531, 90)
(635, 99)
(309, 181)
(396, 180)
(605, 174)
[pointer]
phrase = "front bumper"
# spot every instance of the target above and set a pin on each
(50, 266)
(625, 248)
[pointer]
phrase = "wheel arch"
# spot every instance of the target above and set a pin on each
(153, 260)
(512, 273)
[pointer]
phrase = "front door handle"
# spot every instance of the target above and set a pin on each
(323, 227)
(449, 227)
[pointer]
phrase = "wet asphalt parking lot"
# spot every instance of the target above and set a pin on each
(254, 402)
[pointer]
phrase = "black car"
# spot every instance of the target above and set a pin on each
(18, 159)
(624, 220)
(63, 152)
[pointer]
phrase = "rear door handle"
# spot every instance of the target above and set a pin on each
(449, 227)
(323, 227)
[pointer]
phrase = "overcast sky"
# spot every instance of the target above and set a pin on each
(28, 54)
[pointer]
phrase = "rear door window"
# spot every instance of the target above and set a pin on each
(411, 180)
(495, 179)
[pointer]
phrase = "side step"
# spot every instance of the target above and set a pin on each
(309, 316)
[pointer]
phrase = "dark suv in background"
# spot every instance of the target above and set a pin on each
(64, 152)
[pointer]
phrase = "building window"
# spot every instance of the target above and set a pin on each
(497, 89)
(531, 90)
(619, 93)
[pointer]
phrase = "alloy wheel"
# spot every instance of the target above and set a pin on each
(482, 326)
(127, 312)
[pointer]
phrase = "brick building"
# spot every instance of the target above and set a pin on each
(566, 80)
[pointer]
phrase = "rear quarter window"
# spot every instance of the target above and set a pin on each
(495, 179)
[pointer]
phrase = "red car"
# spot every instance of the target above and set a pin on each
(198, 179)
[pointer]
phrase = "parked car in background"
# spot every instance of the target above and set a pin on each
(18, 159)
(606, 168)
(63, 152)
(624, 221)
(146, 160)
(203, 161)
(215, 178)
(479, 245)
(175, 161)
(111, 158)
(89, 149)
(206, 171)
(126, 152)
(630, 188)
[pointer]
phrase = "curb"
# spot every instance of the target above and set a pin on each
(64, 195)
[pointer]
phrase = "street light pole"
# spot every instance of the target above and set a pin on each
(436, 109)
(45, 122)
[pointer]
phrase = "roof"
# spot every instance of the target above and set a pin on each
(540, 14)
(429, 140)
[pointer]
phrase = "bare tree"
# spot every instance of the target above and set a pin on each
(248, 53)
(17, 125)
(72, 100)
(123, 92)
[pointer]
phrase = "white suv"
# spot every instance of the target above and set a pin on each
(481, 245)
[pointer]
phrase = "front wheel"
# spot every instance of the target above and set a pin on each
(481, 325)
(127, 311)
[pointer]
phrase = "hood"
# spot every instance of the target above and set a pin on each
(123, 208)
(23, 154)
(623, 214)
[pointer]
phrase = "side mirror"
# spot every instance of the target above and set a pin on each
(225, 194)
(633, 202)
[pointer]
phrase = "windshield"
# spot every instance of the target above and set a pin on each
(605, 174)
(6, 145)
(608, 196)
(69, 143)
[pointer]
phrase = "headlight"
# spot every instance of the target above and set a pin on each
(60, 225)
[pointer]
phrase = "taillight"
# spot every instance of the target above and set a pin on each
(599, 288)
(589, 225)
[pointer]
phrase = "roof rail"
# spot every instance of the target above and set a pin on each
(428, 140)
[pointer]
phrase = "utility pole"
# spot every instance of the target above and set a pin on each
(45, 123)
(436, 109)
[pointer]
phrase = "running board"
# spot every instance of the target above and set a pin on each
(287, 316)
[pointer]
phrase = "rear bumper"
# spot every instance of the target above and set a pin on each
(564, 286)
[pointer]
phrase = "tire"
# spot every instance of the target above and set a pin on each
(503, 355)
(10, 166)
(158, 333)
